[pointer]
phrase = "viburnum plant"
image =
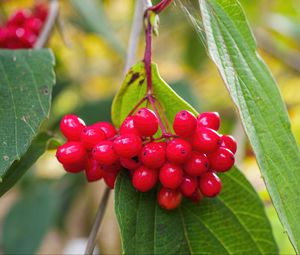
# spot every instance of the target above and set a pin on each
(176, 188)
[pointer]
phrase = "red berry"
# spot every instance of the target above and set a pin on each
(221, 160)
(197, 164)
(104, 153)
(146, 122)
(114, 167)
(188, 186)
(93, 170)
(127, 146)
(131, 163)
(41, 11)
(18, 18)
(128, 127)
(205, 140)
(71, 127)
(153, 155)
(169, 199)
(90, 136)
(110, 178)
(33, 25)
(170, 176)
(75, 168)
(108, 128)
(210, 184)
(209, 120)
(196, 196)
(229, 143)
(144, 178)
(184, 124)
(178, 151)
(71, 153)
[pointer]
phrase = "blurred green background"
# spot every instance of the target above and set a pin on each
(51, 212)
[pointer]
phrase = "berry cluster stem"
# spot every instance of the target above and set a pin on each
(148, 58)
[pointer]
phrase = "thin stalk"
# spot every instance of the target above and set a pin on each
(48, 26)
(96, 226)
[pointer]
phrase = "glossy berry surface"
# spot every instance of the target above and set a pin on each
(221, 160)
(93, 170)
(110, 178)
(178, 151)
(146, 122)
(169, 199)
(184, 124)
(71, 153)
(104, 153)
(209, 120)
(144, 178)
(106, 127)
(128, 127)
(196, 197)
(197, 164)
(205, 140)
(170, 176)
(128, 145)
(90, 136)
(210, 184)
(131, 163)
(229, 143)
(188, 186)
(153, 155)
(75, 168)
(71, 126)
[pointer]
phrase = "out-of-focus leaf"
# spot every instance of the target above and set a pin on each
(26, 80)
(18, 168)
(186, 92)
(95, 111)
(28, 221)
(233, 223)
(232, 47)
(95, 21)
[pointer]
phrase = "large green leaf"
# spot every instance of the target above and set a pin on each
(134, 89)
(263, 113)
(234, 223)
(18, 168)
(26, 80)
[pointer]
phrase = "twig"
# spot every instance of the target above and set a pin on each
(48, 26)
(99, 216)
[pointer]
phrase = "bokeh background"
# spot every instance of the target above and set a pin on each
(51, 212)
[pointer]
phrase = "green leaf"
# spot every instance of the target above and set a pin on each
(260, 105)
(95, 21)
(134, 89)
(18, 168)
(26, 80)
(233, 223)
(28, 221)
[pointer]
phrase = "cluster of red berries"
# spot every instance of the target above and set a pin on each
(22, 28)
(185, 164)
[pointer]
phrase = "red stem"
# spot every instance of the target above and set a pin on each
(160, 6)
(147, 61)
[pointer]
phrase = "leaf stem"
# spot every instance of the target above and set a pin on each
(96, 226)
(48, 26)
